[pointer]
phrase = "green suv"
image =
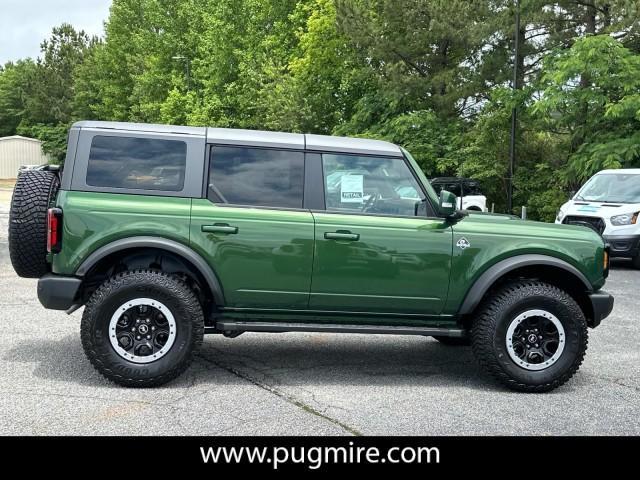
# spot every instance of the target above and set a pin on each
(165, 233)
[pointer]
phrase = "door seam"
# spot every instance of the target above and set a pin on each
(313, 259)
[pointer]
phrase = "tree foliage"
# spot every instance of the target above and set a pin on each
(592, 94)
(431, 75)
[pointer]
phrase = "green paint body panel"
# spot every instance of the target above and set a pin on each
(493, 238)
(278, 265)
(397, 265)
(267, 263)
(92, 220)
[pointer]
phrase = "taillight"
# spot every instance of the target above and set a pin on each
(54, 230)
(605, 261)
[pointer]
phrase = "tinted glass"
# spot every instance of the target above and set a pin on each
(137, 163)
(472, 188)
(257, 176)
(373, 185)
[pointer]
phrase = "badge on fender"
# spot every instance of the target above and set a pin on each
(463, 243)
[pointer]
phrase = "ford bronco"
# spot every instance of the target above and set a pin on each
(165, 233)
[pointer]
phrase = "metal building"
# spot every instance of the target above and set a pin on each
(16, 151)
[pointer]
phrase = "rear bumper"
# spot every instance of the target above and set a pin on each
(623, 245)
(58, 292)
(601, 304)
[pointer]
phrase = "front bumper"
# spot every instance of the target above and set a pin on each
(623, 245)
(601, 305)
(58, 292)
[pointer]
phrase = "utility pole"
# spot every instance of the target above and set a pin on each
(514, 113)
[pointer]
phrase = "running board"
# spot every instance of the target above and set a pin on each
(231, 326)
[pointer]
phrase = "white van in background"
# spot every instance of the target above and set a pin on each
(609, 203)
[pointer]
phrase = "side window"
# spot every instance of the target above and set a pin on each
(137, 163)
(256, 176)
(374, 185)
(472, 188)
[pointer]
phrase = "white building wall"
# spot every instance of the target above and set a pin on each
(16, 151)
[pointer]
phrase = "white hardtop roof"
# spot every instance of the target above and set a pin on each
(259, 138)
(141, 127)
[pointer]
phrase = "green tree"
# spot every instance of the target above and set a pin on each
(599, 116)
(317, 88)
(14, 83)
(51, 87)
(422, 52)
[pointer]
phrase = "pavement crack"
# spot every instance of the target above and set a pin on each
(282, 395)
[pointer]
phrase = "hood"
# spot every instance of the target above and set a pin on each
(503, 224)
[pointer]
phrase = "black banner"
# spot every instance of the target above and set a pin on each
(508, 455)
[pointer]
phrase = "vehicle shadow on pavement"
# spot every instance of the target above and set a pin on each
(326, 359)
(296, 360)
(58, 360)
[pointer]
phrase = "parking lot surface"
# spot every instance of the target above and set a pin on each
(306, 384)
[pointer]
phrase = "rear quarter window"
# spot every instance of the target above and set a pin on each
(137, 163)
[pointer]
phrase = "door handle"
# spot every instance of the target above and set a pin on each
(220, 228)
(341, 235)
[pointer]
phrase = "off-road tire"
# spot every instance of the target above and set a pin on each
(453, 341)
(32, 197)
(168, 289)
(489, 329)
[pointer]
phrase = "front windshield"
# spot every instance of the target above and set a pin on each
(611, 187)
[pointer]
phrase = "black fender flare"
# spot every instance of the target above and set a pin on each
(163, 244)
(492, 274)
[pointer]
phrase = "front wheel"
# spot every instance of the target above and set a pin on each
(636, 261)
(141, 328)
(530, 336)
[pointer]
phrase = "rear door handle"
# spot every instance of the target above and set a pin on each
(341, 235)
(220, 228)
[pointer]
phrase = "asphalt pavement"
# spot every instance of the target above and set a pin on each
(307, 384)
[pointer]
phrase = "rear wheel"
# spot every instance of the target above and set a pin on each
(530, 336)
(32, 197)
(141, 328)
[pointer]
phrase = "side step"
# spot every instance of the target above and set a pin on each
(231, 326)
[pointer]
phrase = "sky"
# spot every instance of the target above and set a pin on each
(24, 24)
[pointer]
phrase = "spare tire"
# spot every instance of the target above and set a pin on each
(32, 197)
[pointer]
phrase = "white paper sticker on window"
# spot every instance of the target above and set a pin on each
(352, 189)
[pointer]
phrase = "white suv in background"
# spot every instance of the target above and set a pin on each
(609, 203)
(467, 190)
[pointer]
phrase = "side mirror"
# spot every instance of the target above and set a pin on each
(448, 203)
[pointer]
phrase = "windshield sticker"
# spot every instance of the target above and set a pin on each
(352, 188)
(589, 208)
